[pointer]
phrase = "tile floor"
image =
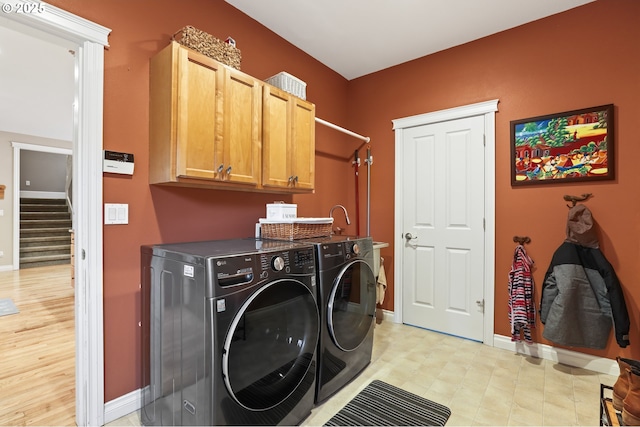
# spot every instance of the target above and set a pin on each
(482, 385)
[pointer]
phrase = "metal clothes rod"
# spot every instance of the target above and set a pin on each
(341, 129)
(368, 161)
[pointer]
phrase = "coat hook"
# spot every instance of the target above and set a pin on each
(574, 199)
(521, 240)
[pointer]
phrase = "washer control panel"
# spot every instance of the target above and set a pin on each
(277, 263)
(296, 261)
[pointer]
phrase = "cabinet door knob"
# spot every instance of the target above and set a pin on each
(228, 170)
(290, 179)
(220, 168)
(295, 179)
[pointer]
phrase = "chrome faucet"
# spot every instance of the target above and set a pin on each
(346, 215)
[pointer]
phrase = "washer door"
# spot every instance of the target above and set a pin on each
(270, 344)
(352, 305)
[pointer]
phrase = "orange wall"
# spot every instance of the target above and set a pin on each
(582, 58)
(159, 214)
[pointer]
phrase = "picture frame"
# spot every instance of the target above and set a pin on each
(572, 146)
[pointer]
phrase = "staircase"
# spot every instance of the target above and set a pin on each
(44, 232)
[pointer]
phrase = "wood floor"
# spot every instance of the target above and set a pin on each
(37, 348)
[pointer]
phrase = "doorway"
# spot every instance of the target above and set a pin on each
(445, 221)
(17, 178)
(87, 40)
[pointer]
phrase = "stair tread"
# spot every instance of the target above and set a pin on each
(31, 200)
(45, 248)
(45, 258)
(45, 239)
(46, 220)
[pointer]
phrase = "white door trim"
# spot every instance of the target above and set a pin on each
(486, 109)
(89, 40)
(17, 149)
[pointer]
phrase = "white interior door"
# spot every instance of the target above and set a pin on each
(443, 226)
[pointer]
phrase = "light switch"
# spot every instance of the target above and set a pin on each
(116, 213)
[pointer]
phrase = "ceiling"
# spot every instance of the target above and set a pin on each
(358, 37)
(36, 84)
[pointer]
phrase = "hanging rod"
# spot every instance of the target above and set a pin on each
(341, 129)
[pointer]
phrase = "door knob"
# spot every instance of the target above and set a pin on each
(409, 237)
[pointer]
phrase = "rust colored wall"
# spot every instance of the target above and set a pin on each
(581, 58)
(159, 214)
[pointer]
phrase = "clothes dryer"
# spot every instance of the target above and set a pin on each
(347, 301)
(230, 333)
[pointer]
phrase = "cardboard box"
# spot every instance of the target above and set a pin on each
(282, 211)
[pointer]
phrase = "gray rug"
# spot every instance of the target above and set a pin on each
(7, 307)
(381, 404)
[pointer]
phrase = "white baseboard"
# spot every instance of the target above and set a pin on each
(122, 406)
(43, 194)
(6, 267)
(560, 355)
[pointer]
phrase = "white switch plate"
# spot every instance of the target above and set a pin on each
(116, 213)
(1, 212)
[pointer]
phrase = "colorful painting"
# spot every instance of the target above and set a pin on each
(565, 147)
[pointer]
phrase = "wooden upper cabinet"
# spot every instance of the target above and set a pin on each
(204, 121)
(213, 126)
(288, 138)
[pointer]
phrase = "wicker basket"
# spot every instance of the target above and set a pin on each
(295, 229)
(206, 44)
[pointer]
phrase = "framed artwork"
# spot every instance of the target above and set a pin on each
(564, 147)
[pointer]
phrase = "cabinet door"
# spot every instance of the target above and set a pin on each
(276, 130)
(303, 144)
(242, 127)
(198, 115)
(288, 151)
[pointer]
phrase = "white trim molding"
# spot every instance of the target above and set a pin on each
(559, 355)
(88, 40)
(123, 406)
(488, 110)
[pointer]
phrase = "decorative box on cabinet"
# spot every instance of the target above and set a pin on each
(288, 147)
(204, 122)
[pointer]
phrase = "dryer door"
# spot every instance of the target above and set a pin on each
(271, 344)
(352, 305)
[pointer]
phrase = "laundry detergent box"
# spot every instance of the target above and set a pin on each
(280, 210)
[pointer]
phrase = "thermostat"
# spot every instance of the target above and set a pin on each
(115, 162)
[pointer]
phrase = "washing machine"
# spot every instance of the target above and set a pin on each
(230, 332)
(347, 300)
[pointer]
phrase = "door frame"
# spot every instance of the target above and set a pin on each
(88, 40)
(486, 109)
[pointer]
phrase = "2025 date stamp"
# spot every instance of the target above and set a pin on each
(26, 8)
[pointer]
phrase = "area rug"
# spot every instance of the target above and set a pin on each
(7, 307)
(381, 404)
